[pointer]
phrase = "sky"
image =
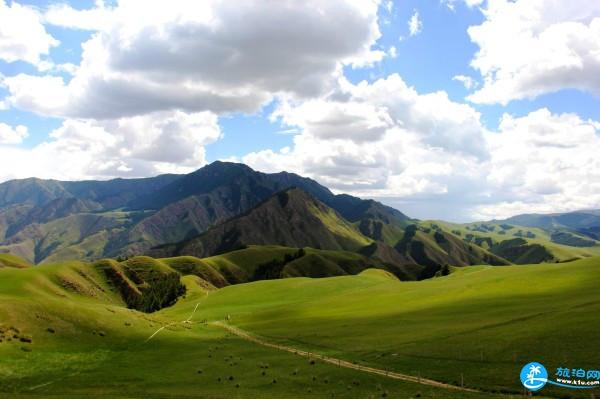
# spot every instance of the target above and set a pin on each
(445, 109)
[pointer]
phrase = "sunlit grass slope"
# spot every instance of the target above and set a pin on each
(67, 334)
(480, 323)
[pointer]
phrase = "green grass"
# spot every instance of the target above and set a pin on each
(480, 322)
(561, 253)
(340, 227)
(98, 349)
(8, 260)
(240, 266)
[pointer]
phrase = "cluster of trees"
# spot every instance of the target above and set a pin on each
(156, 291)
(272, 269)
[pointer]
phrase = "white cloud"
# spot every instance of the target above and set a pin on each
(431, 157)
(381, 140)
(22, 35)
(358, 122)
(451, 4)
(161, 142)
(528, 48)
(415, 25)
(543, 162)
(467, 81)
(393, 52)
(49, 66)
(10, 135)
(213, 55)
(65, 16)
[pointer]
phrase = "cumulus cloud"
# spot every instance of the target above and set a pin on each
(10, 135)
(415, 25)
(528, 48)
(214, 55)
(22, 34)
(432, 157)
(381, 139)
(161, 142)
(544, 162)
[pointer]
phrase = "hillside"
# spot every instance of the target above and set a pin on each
(8, 260)
(155, 211)
(290, 218)
(571, 220)
(45, 221)
(67, 331)
(293, 218)
(520, 244)
(445, 328)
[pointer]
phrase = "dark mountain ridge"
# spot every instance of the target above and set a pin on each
(158, 210)
(224, 206)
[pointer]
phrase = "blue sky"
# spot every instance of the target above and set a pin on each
(279, 115)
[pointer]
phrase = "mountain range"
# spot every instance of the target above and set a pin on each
(225, 206)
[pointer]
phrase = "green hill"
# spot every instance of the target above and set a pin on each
(66, 331)
(8, 260)
(273, 262)
(521, 244)
(291, 218)
(480, 322)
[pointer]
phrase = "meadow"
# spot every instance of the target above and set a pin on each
(71, 335)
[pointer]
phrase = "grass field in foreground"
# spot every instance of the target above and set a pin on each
(84, 343)
(482, 323)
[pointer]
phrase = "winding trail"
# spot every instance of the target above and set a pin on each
(187, 321)
(339, 362)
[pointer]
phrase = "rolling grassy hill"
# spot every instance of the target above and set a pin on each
(480, 322)
(529, 244)
(8, 260)
(72, 335)
(272, 262)
(65, 332)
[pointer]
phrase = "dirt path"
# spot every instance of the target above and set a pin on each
(187, 321)
(339, 362)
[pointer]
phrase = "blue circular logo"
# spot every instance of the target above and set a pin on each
(534, 376)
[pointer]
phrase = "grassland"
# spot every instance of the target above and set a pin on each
(480, 323)
(561, 253)
(77, 339)
(8, 260)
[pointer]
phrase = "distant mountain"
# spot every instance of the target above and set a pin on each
(576, 229)
(110, 194)
(293, 218)
(571, 220)
(290, 218)
(42, 220)
(225, 205)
